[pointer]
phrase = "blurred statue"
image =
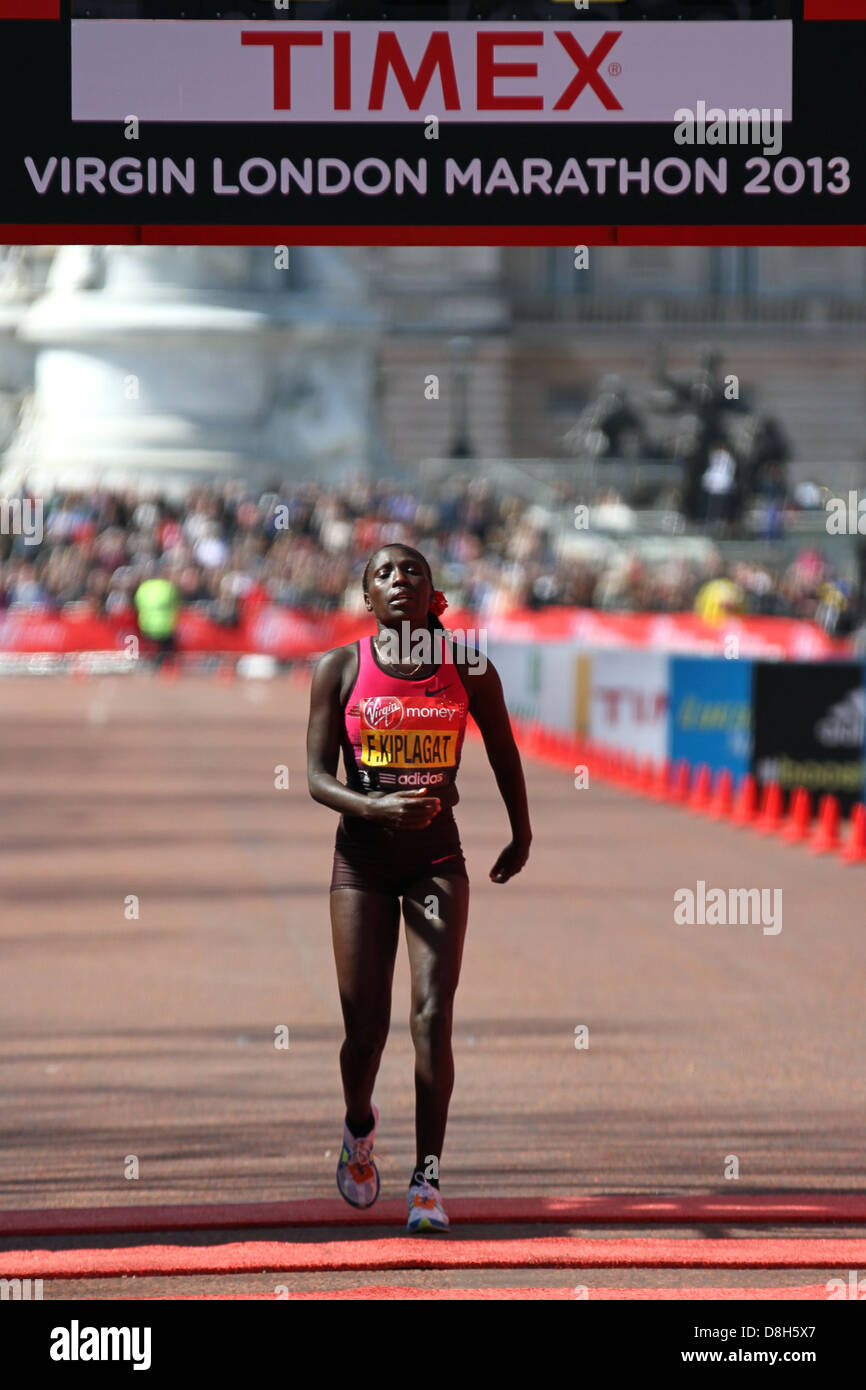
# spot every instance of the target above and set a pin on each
(609, 426)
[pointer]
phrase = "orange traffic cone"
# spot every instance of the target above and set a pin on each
(645, 777)
(746, 807)
(700, 797)
(772, 810)
(826, 836)
(566, 753)
(682, 783)
(854, 851)
(723, 801)
(799, 818)
(661, 787)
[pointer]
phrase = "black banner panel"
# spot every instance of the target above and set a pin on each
(509, 129)
(808, 727)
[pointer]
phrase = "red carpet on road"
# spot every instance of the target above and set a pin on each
(383, 1292)
(436, 1252)
(778, 1208)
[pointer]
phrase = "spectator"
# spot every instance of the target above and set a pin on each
(157, 601)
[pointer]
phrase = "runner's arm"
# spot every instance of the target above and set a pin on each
(487, 707)
(324, 731)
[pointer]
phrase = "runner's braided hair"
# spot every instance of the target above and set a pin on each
(432, 619)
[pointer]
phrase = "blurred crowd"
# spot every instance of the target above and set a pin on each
(305, 546)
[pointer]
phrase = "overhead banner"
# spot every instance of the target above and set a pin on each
(497, 132)
(405, 72)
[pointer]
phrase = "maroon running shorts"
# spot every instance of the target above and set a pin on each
(380, 860)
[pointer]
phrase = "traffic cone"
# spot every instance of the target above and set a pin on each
(700, 797)
(645, 777)
(682, 783)
(631, 772)
(566, 749)
(826, 836)
(799, 818)
(772, 810)
(722, 803)
(746, 808)
(661, 787)
(854, 851)
(549, 744)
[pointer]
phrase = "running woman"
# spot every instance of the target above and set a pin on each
(400, 726)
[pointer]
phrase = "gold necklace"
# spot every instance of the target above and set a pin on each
(396, 663)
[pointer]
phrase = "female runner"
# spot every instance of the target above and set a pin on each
(400, 726)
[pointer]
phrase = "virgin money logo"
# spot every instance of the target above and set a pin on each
(383, 712)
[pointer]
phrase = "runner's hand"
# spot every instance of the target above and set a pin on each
(406, 810)
(510, 861)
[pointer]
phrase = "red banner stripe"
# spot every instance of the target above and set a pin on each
(834, 9)
(496, 234)
(29, 9)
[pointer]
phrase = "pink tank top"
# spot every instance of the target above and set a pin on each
(402, 732)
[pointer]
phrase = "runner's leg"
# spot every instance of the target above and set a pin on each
(436, 910)
(365, 929)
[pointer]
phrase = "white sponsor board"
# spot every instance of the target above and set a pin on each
(629, 701)
(538, 680)
(224, 70)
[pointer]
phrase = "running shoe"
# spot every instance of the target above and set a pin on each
(426, 1212)
(357, 1174)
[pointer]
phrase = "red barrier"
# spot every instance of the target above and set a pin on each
(288, 633)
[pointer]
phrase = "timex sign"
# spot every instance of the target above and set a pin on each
(407, 71)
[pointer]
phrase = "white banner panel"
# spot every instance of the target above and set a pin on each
(629, 701)
(226, 70)
(538, 680)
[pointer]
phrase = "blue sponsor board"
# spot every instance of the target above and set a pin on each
(710, 717)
